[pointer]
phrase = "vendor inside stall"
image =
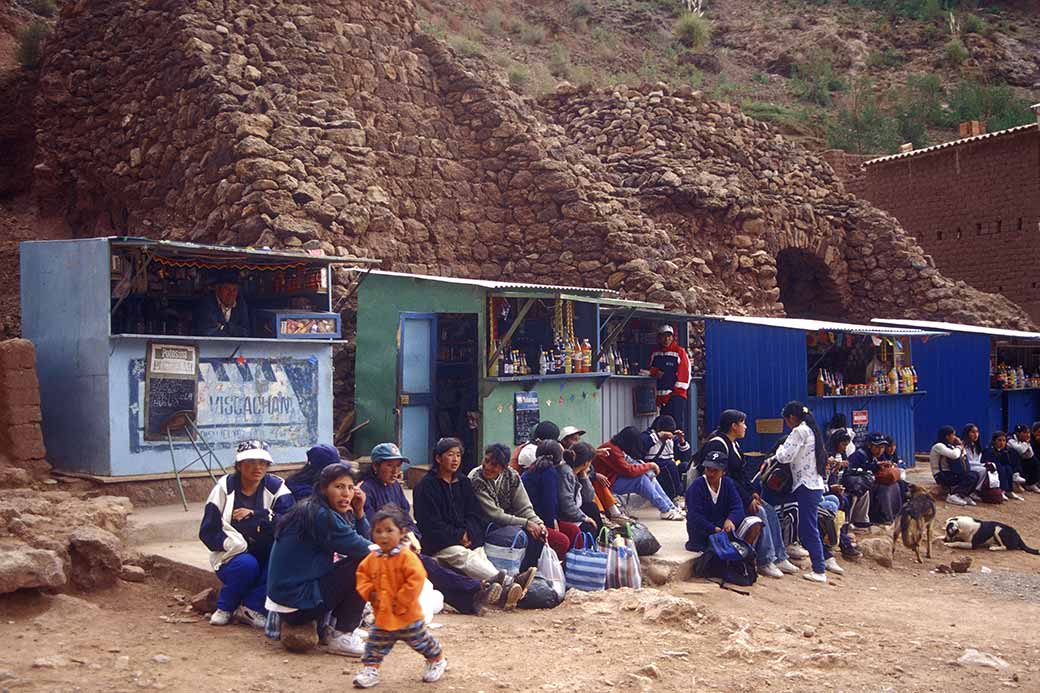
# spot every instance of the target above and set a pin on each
(222, 313)
(854, 364)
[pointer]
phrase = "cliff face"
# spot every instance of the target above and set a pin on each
(341, 125)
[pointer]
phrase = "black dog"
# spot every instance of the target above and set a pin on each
(963, 532)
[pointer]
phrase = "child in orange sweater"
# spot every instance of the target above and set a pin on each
(391, 579)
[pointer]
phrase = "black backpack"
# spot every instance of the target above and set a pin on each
(728, 560)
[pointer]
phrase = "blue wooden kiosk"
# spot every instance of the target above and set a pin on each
(963, 375)
(95, 308)
(757, 365)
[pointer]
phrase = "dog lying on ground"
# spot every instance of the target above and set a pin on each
(915, 523)
(963, 532)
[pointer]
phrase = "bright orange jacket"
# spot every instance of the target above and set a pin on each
(396, 582)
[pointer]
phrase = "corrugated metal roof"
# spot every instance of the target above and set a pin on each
(501, 285)
(817, 325)
(184, 248)
(953, 143)
(955, 327)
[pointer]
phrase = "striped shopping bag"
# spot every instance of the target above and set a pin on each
(507, 558)
(586, 568)
(622, 561)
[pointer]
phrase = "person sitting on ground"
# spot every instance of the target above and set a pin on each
(947, 462)
(304, 585)
(838, 423)
(452, 525)
(382, 487)
(606, 504)
(1031, 466)
(713, 505)
(391, 579)
(505, 504)
(575, 501)
(836, 496)
(997, 458)
(544, 430)
(542, 481)
(1021, 453)
(667, 446)
(885, 499)
(301, 483)
(973, 449)
(616, 459)
(238, 528)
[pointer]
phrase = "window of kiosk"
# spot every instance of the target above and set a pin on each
(1014, 364)
(555, 337)
(157, 294)
(856, 365)
(630, 354)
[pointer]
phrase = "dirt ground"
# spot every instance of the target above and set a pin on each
(875, 629)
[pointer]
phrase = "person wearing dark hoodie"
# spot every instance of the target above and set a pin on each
(381, 487)
(544, 430)
(667, 446)
(448, 515)
(885, 499)
(301, 483)
(713, 505)
(617, 460)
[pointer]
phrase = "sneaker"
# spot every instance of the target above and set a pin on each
(366, 678)
(1014, 496)
(1004, 495)
(954, 499)
(220, 618)
(349, 645)
(489, 594)
(815, 577)
(673, 514)
(501, 578)
(614, 513)
(1035, 488)
(513, 594)
(1018, 479)
(525, 578)
(785, 566)
(434, 670)
(832, 565)
(244, 614)
(795, 551)
(971, 501)
(770, 570)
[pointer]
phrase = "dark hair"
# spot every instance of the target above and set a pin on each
(838, 421)
(497, 453)
(889, 440)
(318, 458)
(1020, 428)
(664, 422)
(303, 515)
(997, 434)
(545, 430)
(944, 433)
(801, 413)
(838, 441)
(550, 449)
(1036, 426)
(976, 446)
(578, 454)
(630, 442)
(730, 418)
(391, 512)
(445, 444)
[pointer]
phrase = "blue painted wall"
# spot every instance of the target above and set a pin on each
(889, 414)
(953, 371)
(1022, 407)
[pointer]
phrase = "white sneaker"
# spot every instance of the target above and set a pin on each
(1014, 496)
(971, 501)
(770, 570)
(673, 514)
(796, 551)
(831, 564)
(952, 499)
(349, 645)
(366, 678)
(1018, 479)
(244, 614)
(815, 577)
(1035, 488)
(220, 618)
(785, 566)
(435, 670)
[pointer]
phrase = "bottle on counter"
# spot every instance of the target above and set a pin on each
(821, 383)
(893, 381)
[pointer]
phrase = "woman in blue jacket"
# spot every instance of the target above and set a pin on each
(713, 504)
(303, 583)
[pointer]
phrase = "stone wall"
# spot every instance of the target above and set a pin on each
(974, 207)
(21, 439)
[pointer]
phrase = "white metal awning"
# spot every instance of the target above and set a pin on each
(955, 327)
(807, 325)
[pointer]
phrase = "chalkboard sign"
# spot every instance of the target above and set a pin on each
(525, 416)
(170, 388)
(860, 427)
(645, 399)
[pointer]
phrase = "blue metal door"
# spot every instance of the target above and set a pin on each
(416, 348)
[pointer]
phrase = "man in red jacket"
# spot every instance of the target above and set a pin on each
(671, 366)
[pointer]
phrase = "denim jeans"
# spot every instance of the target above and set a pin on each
(245, 582)
(808, 529)
(647, 487)
(770, 547)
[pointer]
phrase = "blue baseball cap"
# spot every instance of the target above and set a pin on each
(387, 451)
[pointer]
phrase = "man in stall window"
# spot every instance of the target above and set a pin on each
(223, 313)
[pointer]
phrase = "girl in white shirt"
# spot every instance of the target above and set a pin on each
(805, 451)
(970, 436)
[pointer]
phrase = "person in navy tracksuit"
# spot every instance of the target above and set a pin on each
(671, 366)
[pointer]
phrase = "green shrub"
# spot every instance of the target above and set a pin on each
(760, 78)
(519, 76)
(997, 105)
(862, 126)
(955, 51)
(44, 8)
(533, 34)
(559, 62)
(974, 24)
(580, 8)
(918, 106)
(30, 44)
(494, 21)
(797, 120)
(692, 31)
(889, 57)
(465, 46)
(815, 80)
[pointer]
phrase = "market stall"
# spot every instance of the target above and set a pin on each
(629, 337)
(482, 361)
(148, 351)
(866, 372)
(981, 375)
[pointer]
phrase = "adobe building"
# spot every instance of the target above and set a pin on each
(973, 204)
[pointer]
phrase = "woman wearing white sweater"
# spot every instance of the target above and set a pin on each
(948, 465)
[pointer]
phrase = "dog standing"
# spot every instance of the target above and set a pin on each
(915, 523)
(964, 532)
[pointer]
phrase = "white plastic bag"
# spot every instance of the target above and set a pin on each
(431, 601)
(550, 568)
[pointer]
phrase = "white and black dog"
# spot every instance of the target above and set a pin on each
(963, 532)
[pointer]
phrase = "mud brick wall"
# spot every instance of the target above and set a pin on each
(974, 207)
(21, 438)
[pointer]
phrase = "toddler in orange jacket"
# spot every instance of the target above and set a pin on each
(391, 578)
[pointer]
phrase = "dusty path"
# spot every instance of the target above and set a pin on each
(875, 629)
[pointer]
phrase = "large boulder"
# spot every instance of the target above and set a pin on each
(95, 558)
(22, 567)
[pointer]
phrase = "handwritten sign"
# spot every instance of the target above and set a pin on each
(526, 415)
(644, 400)
(170, 388)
